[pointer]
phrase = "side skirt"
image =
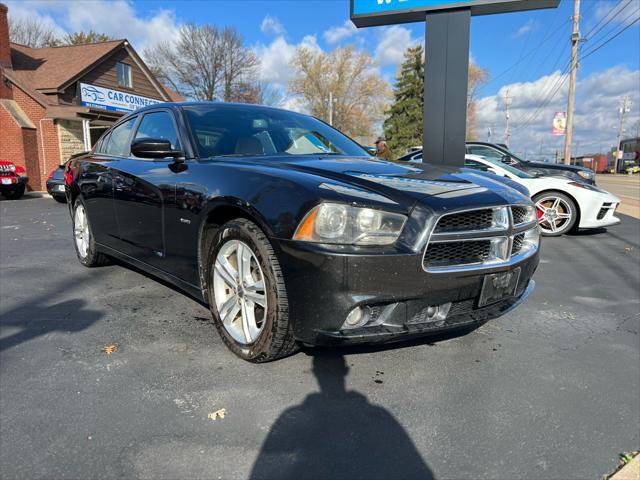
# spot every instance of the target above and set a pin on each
(192, 290)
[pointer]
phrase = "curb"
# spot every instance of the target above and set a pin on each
(631, 471)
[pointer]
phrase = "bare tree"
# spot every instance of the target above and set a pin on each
(350, 80)
(477, 78)
(206, 63)
(32, 32)
(83, 38)
(239, 64)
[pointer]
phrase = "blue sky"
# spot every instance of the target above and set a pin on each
(524, 52)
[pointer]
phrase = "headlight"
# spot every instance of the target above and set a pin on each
(347, 225)
(588, 175)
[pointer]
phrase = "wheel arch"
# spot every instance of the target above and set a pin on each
(567, 194)
(215, 215)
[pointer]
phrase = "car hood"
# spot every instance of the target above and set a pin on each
(438, 186)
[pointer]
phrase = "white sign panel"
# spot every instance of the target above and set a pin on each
(109, 99)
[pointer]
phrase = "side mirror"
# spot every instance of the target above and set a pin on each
(507, 159)
(536, 173)
(154, 148)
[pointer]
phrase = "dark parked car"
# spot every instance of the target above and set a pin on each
(292, 234)
(55, 185)
(500, 152)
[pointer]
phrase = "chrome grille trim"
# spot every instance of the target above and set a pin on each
(507, 240)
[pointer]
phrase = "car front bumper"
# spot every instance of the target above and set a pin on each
(323, 287)
(599, 210)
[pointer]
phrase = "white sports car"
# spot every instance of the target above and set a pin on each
(562, 204)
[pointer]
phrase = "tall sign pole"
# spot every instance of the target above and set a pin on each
(444, 125)
(575, 39)
(447, 61)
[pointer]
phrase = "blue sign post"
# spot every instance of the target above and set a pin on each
(447, 61)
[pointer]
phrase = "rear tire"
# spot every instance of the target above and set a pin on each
(558, 213)
(85, 245)
(242, 267)
(13, 193)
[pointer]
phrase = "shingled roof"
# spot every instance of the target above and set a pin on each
(51, 68)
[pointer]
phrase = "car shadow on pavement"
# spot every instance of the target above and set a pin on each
(338, 434)
(35, 319)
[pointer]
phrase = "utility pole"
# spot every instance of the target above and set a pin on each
(625, 107)
(489, 132)
(575, 39)
(507, 116)
(330, 108)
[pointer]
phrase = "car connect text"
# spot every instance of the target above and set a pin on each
(293, 234)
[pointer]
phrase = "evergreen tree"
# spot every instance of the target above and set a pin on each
(403, 126)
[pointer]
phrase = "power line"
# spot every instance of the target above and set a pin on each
(610, 39)
(550, 95)
(589, 33)
(534, 50)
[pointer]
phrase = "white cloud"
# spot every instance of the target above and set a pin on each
(596, 115)
(339, 33)
(528, 27)
(115, 18)
(393, 43)
(275, 58)
(272, 25)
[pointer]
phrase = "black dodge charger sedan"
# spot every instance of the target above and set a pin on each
(292, 233)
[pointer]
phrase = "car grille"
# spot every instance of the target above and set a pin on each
(518, 242)
(474, 220)
(603, 211)
(519, 215)
(458, 253)
(478, 238)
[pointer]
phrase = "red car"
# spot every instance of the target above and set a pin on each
(13, 180)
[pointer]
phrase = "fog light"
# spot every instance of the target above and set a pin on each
(355, 319)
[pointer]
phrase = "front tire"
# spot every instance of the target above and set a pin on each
(83, 240)
(557, 213)
(246, 293)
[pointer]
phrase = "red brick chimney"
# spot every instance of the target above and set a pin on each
(5, 49)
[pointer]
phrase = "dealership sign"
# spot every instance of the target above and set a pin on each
(109, 99)
(367, 13)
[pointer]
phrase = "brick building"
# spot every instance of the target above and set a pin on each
(58, 101)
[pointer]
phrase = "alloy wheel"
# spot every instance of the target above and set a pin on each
(554, 214)
(81, 231)
(239, 290)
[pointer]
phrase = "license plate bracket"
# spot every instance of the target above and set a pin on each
(498, 286)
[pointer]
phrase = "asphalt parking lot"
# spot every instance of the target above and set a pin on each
(550, 391)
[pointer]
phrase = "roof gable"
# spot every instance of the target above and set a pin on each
(50, 68)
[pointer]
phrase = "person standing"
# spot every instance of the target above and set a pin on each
(382, 150)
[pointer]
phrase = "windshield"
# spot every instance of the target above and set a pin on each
(508, 168)
(232, 130)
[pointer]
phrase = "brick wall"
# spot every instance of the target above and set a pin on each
(40, 147)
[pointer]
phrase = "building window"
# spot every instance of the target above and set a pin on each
(124, 75)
